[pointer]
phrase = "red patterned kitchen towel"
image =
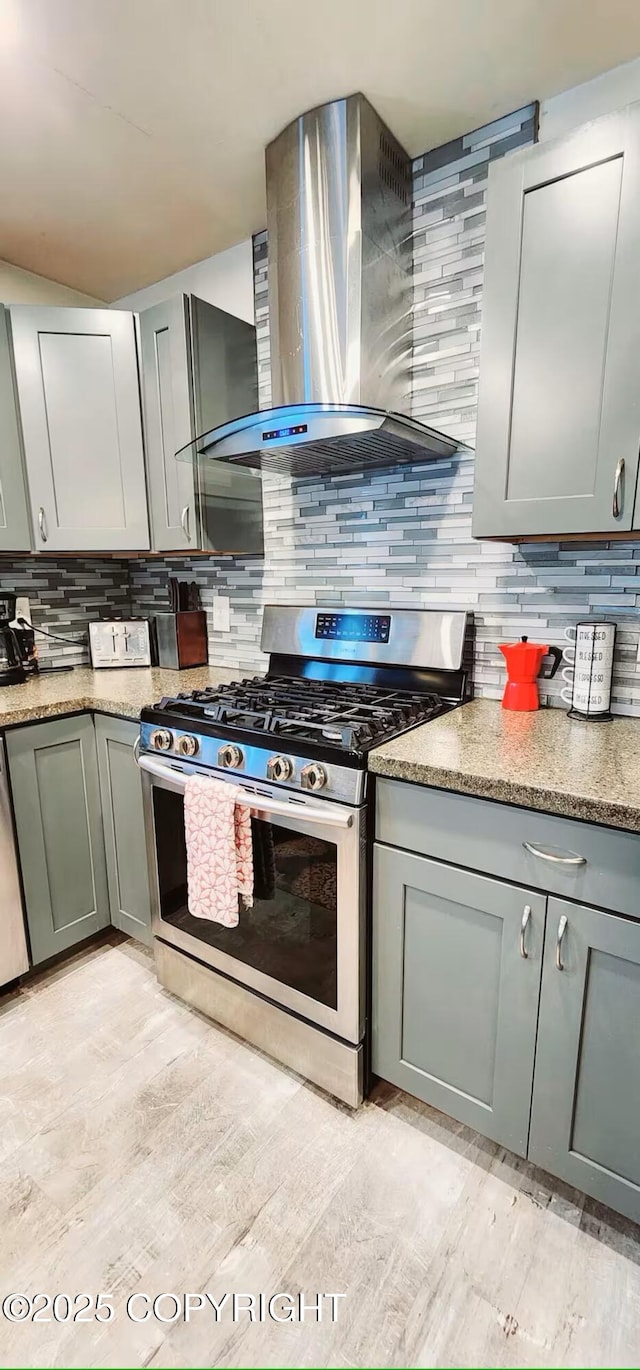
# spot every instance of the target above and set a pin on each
(217, 825)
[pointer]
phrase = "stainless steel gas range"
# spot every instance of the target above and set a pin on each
(292, 977)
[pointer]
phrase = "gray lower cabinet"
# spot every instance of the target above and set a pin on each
(457, 961)
(585, 1120)
(56, 797)
(122, 814)
(559, 403)
(77, 380)
(199, 369)
(15, 532)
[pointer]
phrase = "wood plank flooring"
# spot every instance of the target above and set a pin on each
(144, 1149)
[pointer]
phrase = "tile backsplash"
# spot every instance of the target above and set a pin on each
(64, 594)
(404, 536)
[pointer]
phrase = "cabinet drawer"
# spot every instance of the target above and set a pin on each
(490, 837)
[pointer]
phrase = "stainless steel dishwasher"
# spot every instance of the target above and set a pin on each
(14, 957)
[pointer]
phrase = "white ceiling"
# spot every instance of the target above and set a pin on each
(133, 130)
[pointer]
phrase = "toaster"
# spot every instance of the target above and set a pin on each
(119, 642)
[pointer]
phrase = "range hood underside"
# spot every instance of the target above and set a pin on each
(330, 440)
(338, 456)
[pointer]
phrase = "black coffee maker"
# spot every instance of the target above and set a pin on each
(12, 669)
(26, 640)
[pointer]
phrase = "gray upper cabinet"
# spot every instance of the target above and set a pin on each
(585, 1121)
(199, 370)
(56, 798)
(559, 403)
(15, 531)
(123, 819)
(165, 350)
(456, 979)
(77, 378)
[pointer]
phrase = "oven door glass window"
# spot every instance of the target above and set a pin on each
(290, 932)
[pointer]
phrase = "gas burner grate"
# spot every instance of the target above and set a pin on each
(349, 717)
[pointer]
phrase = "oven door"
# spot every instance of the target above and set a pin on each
(302, 942)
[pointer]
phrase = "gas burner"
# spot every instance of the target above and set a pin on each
(337, 714)
(337, 685)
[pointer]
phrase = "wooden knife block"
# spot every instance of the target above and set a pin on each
(181, 639)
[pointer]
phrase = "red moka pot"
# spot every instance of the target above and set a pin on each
(524, 660)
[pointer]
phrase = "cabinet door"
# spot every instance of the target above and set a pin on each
(56, 797)
(559, 402)
(15, 532)
(168, 414)
(225, 379)
(456, 981)
(122, 814)
(77, 378)
(585, 1121)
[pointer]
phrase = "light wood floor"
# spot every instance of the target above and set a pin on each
(142, 1148)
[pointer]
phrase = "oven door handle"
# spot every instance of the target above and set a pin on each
(332, 817)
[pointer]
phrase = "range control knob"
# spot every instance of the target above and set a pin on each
(279, 768)
(187, 745)
(313, 776)
(230, 756)
(161, 739)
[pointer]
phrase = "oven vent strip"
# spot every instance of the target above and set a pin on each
(328, 814)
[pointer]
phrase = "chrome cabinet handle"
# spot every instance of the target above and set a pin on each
(136, 750)
(617, 480)
(523, 928)
(562, 928)
(571, 860)
(42, 524)
(184, 522)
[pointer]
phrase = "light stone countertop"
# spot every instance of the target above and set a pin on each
(541, 760)
(123, 692)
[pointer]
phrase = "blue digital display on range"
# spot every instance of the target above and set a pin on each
(284, 432)
(354, 627)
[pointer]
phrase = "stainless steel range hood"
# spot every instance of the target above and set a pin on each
(339, 234)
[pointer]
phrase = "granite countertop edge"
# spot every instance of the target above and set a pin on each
(46, 696)
(561, 803)
(473, 751)
(542, 761)
(36, 713)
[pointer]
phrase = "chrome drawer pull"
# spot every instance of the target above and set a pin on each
(617, 502)
(184, 523)
(571, 860)
(523, 928)
(562, 928)
(42, 524)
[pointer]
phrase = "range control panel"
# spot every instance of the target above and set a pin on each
(353, 627)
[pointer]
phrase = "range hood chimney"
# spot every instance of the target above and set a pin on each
(339, 243)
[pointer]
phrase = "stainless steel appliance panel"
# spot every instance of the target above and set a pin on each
(323, 979)
(327, 172)
(344, 783)
(340, 300)
(119, 642)
(417, 637)
(335, 1066)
